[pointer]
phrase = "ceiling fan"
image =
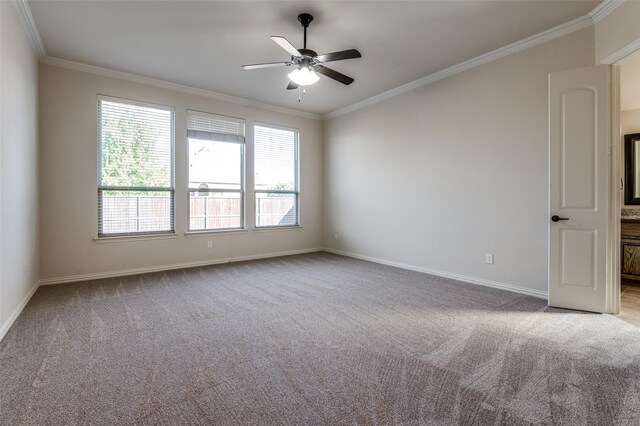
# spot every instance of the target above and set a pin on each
(307, 62)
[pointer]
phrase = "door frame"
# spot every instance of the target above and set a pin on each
(615, 198)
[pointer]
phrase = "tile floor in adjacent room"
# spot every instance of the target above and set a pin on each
(630, 303)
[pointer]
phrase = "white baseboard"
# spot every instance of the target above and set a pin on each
(4, 329)
(100, 275)
(471, 280)
(145, 270)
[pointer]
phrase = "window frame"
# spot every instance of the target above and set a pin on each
(241, 191)
(100, 188)
(295, 192)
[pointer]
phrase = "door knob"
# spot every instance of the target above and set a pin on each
(556, 218)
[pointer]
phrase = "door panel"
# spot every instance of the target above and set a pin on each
(578, 149)
(578, 247)
(578, 179)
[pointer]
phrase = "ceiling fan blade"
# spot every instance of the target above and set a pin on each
(284, 43)
(333, 74)
(339, 56)
(266, 65)
(292, 86)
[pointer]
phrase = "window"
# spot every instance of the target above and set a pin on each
(276, 176)
(216, 175)
(135, 168)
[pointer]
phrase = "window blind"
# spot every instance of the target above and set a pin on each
(135, 168)
(216, 174)
(276, 175)
(202, 125)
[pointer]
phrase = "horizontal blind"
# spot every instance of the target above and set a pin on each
(275, 151)
(135, 167)
(276, 176)
(215, 171)
(135, 146)
(203, 125)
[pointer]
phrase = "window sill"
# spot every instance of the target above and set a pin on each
(190, 234)
(128, 238)
(277, 228)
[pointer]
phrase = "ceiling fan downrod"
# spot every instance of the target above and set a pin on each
(305, 19)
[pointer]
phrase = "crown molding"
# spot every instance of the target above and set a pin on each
(594, 16)
(29, 25)
(24, 12)
(543, 37)
(622, 54)
(603, 9)
(135, 78)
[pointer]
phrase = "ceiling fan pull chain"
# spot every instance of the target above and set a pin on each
(304, 92)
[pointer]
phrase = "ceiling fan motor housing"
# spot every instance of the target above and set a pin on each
(307, 59)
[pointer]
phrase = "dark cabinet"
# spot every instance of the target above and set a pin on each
(631, 259)
(630, 250)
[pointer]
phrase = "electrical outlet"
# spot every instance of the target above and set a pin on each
(209, 244)
(335, 236)
(488, 258)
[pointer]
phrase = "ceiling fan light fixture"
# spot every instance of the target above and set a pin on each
(307, 63)
(303, 76)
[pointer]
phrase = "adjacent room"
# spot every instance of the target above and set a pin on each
(630, 217)
(288, 213)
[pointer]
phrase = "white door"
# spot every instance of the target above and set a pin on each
(578, 196)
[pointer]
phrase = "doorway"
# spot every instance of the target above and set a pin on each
(628, 108)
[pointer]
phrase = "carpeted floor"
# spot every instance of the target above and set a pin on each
(311, 339)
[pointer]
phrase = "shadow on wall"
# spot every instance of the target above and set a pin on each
(289, 217)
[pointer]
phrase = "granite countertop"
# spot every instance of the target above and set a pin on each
(630, 215)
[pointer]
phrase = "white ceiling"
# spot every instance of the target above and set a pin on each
(203, 44)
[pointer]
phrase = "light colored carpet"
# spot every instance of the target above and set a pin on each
(311, 339)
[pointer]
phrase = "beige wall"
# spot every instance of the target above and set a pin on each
(630, 83)
(630, 121)
(68, 181)
(18, 165)
(446, 154)
(437, 177)
(618, 30)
